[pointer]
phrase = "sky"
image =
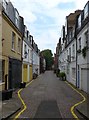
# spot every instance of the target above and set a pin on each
(44, 18)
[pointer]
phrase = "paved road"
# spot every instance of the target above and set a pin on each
(48, 97)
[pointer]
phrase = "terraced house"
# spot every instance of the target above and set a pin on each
(27, 56)
(12, 33)
(19, 54)
(1, 85)
(74, 50)
(67, 58)
(36, 59)
(82, 36)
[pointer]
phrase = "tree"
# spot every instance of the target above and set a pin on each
(48, 57)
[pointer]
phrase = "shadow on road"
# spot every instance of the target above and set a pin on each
(48, 109)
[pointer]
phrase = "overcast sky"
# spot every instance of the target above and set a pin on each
(44, 18)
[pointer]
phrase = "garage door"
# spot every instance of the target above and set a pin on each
(84, 79)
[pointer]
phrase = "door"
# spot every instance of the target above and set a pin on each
(10, 75)
(25, 74)
(84, 79)
(30, 72)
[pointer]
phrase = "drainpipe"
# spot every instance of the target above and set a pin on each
(76, 49)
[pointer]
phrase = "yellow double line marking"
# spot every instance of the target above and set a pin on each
(24, 105)
(72, 108)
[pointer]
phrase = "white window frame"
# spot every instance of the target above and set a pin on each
(73, 50)
(17, 18)
(79, 21)
(4, 4)
(86, 38)
(79, 41)
(13, 40)
(86, 11)
(19, 45)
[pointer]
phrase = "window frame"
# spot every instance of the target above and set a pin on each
(86, 38)
(79, 21)
(19, 45)
(73, 50)
(79, 45)
(13, 40)
(86, 11)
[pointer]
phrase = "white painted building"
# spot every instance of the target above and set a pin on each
(27, 57)
(74, 55)
(67, 57)
(83, 47)
(36, 62)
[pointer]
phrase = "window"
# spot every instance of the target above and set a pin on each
(73, 50)
(86, 11)
(16, 18)
(86, 38)
(69, 51)
(79, 43)
(79, 21)
(25, 33)
(19, 45)
(69, 54)
(28, 54)
(4, 4)
(25, 50)
(13, 40)
(70, 35)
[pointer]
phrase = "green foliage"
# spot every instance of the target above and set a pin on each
(48, 57)
(84, 50)
(62, 74)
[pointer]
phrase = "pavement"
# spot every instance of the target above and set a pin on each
(9, 107)
(83, 108)
(46, 94)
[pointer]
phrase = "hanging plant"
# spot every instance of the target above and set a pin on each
(84, 50)
(79, 51)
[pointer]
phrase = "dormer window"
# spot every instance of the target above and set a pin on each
(4, 5)
(25, 32)
(86, 11)
(16, 18)
(28, 35)
(70, 35)
(79, 21)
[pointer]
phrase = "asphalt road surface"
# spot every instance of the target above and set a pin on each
(49, 97)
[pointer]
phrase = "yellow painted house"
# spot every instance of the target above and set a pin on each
(11, 53)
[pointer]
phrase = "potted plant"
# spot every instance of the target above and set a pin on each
(34, 75)
(7, 94)
(62, 75)
(22, 84)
